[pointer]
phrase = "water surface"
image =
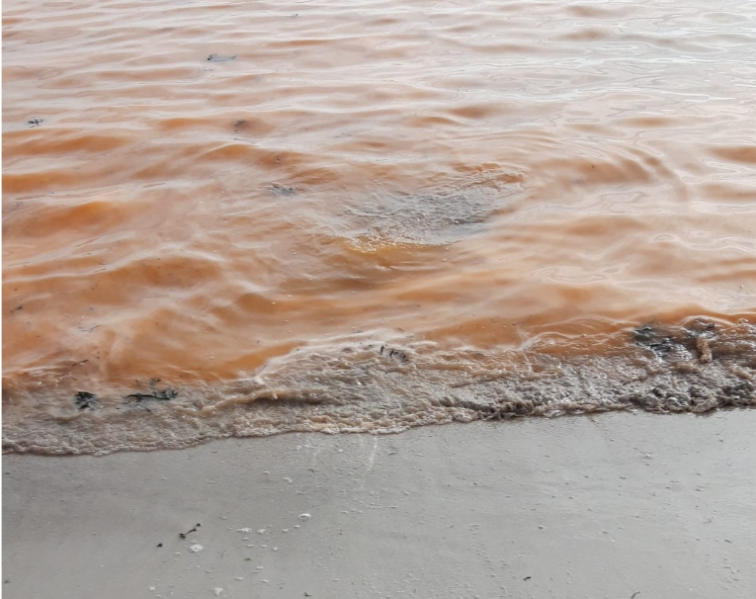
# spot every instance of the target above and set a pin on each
(365, 216)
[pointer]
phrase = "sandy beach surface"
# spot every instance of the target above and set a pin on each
(618, 506)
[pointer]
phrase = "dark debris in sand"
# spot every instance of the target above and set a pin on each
(183, 535)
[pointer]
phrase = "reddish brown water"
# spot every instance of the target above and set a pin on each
(259, 202)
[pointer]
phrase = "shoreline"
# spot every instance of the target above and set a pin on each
(363, 385)
(616, 505)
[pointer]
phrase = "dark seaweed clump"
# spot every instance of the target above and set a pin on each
(155, 395)
(85, 400)
(665, 342)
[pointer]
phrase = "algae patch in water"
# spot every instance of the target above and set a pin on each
(428, 219)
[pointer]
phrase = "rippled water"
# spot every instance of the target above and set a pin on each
(365, 216)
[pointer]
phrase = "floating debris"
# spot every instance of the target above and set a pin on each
(654, 339)
(221, 57)
(681, 342)
(394, 353)
(163, 395)
(281, 190)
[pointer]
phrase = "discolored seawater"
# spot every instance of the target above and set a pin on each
(248, 218)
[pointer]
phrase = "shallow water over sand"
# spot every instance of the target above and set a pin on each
(258, 203)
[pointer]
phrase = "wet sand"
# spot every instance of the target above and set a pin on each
(621, 506)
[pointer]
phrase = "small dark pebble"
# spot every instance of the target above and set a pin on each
(159, 544)
(527, 578)
(35, 122)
